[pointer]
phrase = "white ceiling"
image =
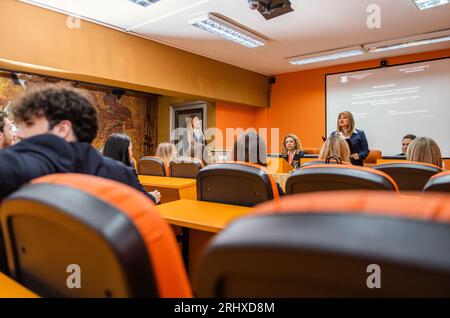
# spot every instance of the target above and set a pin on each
(314, 26)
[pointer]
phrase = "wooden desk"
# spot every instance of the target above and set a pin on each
(199, 222)
(171, 188)
(380, 161)
(278, 165)
(200, 215)
(11, 289)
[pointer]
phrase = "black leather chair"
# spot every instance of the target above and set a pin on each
(409, 176)
(153, 166)
(235, 183)
(331, 177)
(185, 168)
(438, 183)
(309, 251)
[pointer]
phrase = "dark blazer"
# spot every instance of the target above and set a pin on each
(359, 145)
(47, 154)
(297, 156)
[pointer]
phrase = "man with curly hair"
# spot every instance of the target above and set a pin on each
(56, 126)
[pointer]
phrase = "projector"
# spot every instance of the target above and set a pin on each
(270, 9)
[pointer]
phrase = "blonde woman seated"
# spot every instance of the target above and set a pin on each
(335, 148)
(166, 151)
(292, 150)
(426, 150)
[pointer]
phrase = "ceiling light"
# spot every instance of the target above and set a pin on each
(430, 38)
(144, 3)
(218, 26)
(428, 4)
(327, 56)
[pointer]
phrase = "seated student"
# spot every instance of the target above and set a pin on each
(335, 148)
(119, 147)
(57, 125)
(166, 151)
(250, 147)
(292, 150)
(405, 143)
(7, 134)
(424, 149)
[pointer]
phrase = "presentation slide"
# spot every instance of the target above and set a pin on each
(391, 102)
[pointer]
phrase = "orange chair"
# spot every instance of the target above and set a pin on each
(329, 177)
(438, 183)
(333, 245)
(409, 176)
(109, 231)
(374, 155)
(237, 183)
(153, 166)
(185, 167)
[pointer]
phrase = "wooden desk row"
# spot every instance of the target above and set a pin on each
(171, 188)
(11, 289)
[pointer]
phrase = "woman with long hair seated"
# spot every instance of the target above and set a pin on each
(166, 151)
(292, 150)
(426, 150)
(119, 147)
(250, 147)
(335, 148)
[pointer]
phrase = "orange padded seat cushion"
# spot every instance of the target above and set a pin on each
(162, 248)
(427, 206)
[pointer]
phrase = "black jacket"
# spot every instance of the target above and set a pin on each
(297, 157)
(47, 154)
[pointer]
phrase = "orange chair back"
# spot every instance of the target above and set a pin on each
(108, 231)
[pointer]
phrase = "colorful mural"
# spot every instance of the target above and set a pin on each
(132, 113)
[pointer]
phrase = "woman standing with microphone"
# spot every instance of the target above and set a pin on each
(356, 139)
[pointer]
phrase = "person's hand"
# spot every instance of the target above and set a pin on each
(354, 156)
(157, 195)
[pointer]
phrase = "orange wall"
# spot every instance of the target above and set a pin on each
(298, 101)
(233, 116)
(37, 40)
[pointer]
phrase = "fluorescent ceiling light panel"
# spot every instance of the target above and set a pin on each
(327, 56)
(218, 26)
(144, 3)
(430, 38)
(428, 4)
